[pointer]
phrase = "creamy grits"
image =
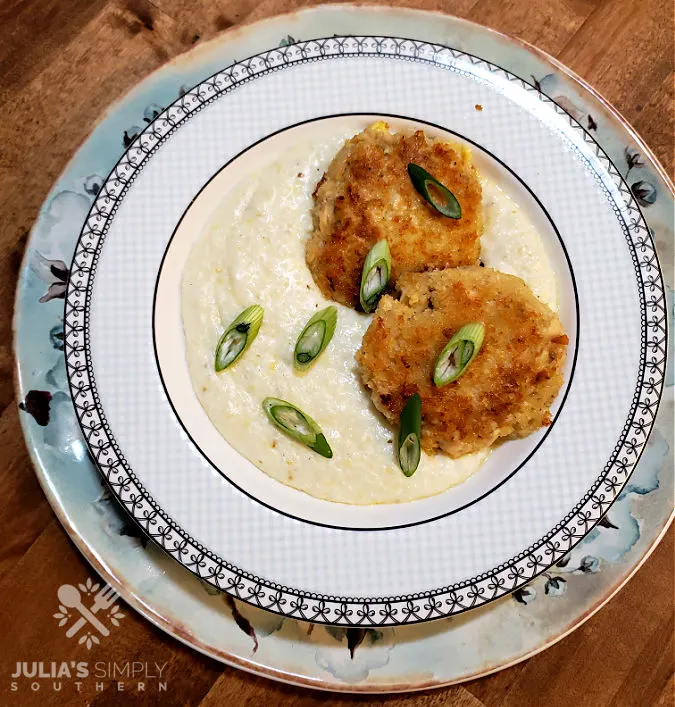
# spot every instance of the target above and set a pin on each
(253, 251)
(511, 244)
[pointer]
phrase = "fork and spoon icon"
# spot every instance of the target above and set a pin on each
(70, 597)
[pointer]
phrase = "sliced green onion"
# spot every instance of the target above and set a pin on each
(375, 275)
(314, 338)
(410, 425)
(297, 425)
(238, 337)
(439, 196)
(458, 353)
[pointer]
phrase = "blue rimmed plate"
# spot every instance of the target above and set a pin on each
(594, 169)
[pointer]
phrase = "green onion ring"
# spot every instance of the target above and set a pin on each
(458, 353)
(375, 275)
(422, 180)
(297, 424)
(314, 338)
(238, 337)
(409, 440)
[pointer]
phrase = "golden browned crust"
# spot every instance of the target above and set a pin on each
(508, 388)
(366, 195)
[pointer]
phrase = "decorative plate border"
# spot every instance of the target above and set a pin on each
(361, 611)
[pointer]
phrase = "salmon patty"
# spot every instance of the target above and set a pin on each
(506, 391)
(366, 195)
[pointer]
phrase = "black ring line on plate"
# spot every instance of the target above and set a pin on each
(574, 540)
(421, 122)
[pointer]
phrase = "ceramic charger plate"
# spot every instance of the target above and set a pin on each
(247, 536)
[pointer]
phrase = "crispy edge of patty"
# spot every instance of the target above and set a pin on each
(352, 210)
(505, 392)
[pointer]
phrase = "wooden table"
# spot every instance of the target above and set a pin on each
(622, 656)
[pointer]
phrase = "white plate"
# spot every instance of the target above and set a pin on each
(273, 546)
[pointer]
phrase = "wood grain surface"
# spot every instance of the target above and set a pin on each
(621, 656)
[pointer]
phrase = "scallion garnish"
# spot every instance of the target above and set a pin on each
(297, 425)
(375, 275)
(238, 337)
(409, 445)
(458, 353)
(439, 196)
(314, 338)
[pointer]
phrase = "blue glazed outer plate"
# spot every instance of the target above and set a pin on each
(349, 657)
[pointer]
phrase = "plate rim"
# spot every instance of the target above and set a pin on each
(255, 668)
(169, 624)
(241, 584)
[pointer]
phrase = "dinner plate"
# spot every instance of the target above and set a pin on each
(170, 599)
(278, 548)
